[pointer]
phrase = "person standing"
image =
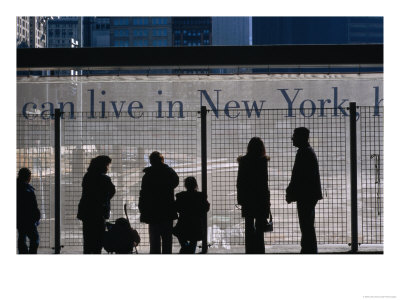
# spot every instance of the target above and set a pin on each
(253, 194)
(94, 206)
(305, 188)
(28, 214)
(157, 203)
(192, 207)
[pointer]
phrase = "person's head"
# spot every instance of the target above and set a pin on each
(156, 158)
(99, 164)
(300, 136)
(24, 175)
(191, 184)
(256, 147)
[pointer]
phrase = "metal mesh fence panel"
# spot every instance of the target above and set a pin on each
(229, 138)
(371, 138)
(128, 139)
(35, 150)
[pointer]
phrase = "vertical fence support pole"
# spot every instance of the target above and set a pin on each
(204, 246)
(57, 188)
(353, 177)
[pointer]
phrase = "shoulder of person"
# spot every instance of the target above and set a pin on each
(180, 195)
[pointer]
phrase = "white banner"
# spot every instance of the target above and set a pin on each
(311, 93)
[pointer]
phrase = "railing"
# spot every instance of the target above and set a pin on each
(128, 138)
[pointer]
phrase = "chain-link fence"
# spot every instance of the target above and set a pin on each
(371, 141)
(35, 150)
(128, 138)
(229, 139)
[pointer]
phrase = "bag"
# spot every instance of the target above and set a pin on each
(120, 237)
(269, 225)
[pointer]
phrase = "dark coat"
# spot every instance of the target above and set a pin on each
(252, 186)
(305, 183)
(156, 200)
(28, 213)
(192, 208)
(97, 191)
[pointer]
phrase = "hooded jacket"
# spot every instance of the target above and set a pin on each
(156, 200)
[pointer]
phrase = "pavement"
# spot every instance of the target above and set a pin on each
(230, 250)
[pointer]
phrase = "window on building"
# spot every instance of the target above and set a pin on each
(121, 43)
(140, 32)
(140, 21)
(121, 33)
(160, 43)
(140, 43)
(121, 21)
(160, 32)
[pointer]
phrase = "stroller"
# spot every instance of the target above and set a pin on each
(120, 237)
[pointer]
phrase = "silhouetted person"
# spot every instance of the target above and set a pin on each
(305, 188)
(94, 206)
(28, 214)
(157, 203)
(253, 194)
(192, 207)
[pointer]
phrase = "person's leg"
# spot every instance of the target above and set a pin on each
(155, 238)
(93, 235)
(87, 238)
(33, 236)
(259, 243)
(183, 244)
(249, 234)
(98, 231)
(22, 248)
(191, 248)
(306, 213)
(166, 237)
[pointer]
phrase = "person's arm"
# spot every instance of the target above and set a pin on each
(239, 184)
(174, 178)
(35, 207)
(143, 192)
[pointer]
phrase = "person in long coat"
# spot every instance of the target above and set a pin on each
(28, 214)
(192, 207)
(253, 194)
(305, 188)
(94, 206)
(157, 203)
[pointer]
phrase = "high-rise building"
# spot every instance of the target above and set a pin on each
(140, 31)
(231, 31)
(317, 30)
(96, 32)
(64, 32)
(192, 31)
(23, 32)
(31, 32)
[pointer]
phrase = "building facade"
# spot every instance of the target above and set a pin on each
(317, 30)
(231, 31)
(64, 32)
(31, 32)
(96, 32)
(192, 31)
(140, 32)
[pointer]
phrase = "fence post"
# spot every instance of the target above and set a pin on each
(353, 177)
(57, 188)
(204, 246)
